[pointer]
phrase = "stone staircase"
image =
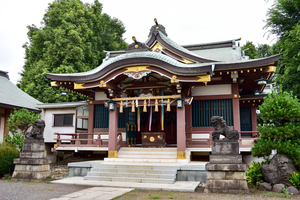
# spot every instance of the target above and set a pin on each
(146, 155)
(133, 173)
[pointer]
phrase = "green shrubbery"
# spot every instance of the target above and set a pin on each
(280, 113)
(295, 179)
(19, 120)
(7, 155)
(253, 175)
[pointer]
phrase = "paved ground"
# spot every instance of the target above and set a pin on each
(11, 190)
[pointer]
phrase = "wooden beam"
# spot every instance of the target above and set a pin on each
(147, 98)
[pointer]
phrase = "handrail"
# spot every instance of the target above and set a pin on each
(76, 140)
(119, 141)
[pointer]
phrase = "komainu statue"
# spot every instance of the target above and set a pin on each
(37, 130)
(221, 128)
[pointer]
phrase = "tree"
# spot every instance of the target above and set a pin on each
(72, 39)
(250, 50)
(264, 50)
(19, 120)
(283, 20)
(280, 113)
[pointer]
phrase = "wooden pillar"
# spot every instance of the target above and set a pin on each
(236, 107)
(112, 139)
(181, 141)
(253, 118)
(91, 120)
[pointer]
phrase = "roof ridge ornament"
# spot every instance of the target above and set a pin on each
(157, 27)
(137, 46)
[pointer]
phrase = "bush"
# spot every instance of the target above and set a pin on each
(295, 179)
(280, 113)
(19, 120)
(7, 155)
(253, 175)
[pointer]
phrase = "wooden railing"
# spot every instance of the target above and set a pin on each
(81, 140)
(200, 142)
(204, 139)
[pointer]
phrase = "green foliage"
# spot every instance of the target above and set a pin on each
(280, 114)
(286, 194)
(253, 175)
(264, 50)
(283, 20)
(7, 155)
(72, 39)
(295, 179)
(22, 120)
(251, 52)
(15, 139)
(282, 16)
(155, 197)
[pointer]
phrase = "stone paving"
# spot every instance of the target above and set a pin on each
(95, 193)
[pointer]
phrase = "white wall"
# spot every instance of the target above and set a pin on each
(212, 90)
(100, 96)
(48, 116)
(2, 119)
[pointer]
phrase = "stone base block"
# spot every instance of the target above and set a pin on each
(232, 186)
(33, 154)
(226, 167)
(32, 161)
(33, 145)
(225, 175)
(225, 148)
(27, 175)
(32, 168)
(225, 159)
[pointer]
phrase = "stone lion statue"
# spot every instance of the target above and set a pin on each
(221, 128)
(37, 130)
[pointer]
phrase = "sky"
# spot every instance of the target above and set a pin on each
(186, 22)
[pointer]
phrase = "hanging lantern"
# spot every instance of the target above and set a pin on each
(132, 106)
(145, 106)
(168, 106)
(179, 103)
(111, 105)
(256, 92)
(156, 106)
(261, 81)
(121, 107)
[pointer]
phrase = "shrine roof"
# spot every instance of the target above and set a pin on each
(12, 96)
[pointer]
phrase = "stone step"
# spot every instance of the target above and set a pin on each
(138, 171)
(128, 179)
(141, 156)
(140, 160)
(132, 175)
(136, 149)
(147, 153)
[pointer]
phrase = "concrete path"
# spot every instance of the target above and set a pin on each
(182, 186)
(95, 193)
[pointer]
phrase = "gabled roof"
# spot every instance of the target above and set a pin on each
(13, 97)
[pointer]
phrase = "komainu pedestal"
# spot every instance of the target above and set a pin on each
(225, 172)
(33, 163)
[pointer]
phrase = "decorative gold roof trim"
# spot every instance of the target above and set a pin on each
(102, 84)
(157, 46)
(53, 84)
(137, 69)
(173, 79)
(204, 78)
(79, 86)
(187, 61)
(272, 69)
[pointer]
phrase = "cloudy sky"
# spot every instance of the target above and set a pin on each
(186, 22)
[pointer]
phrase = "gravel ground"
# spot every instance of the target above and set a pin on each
(11, 190)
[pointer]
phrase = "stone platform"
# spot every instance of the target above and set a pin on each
(33, 163)
(225, 171)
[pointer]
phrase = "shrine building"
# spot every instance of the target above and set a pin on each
(162, 94)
